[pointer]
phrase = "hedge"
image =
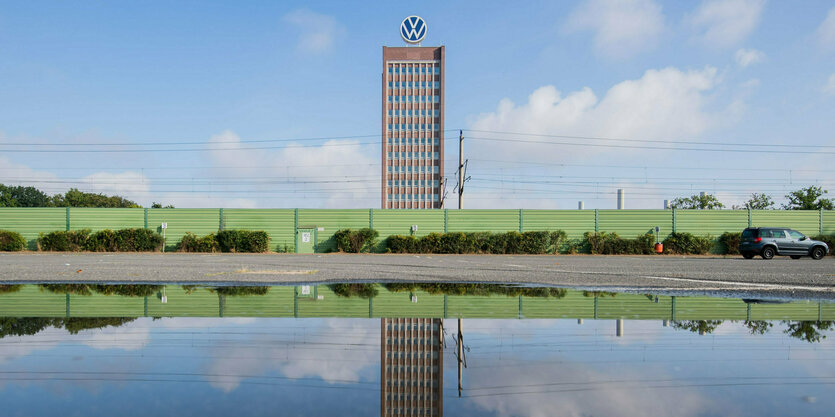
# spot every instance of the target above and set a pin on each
(687, 244)
(123, 240)
(11, 241)
(729, 243)
(355, 241)
(602, 243)
(251, 241)
(478, 242)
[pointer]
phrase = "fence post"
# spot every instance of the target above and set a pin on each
(820, 222)
(446, 220)
(68, 219)
(749, 217)
(296, 231)
(674, 219)
(220, 224)
(370, 218)
(521, 220)
(146, 217)
(596, 221)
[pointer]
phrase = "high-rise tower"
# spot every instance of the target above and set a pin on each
(413, 126)
(412, 367)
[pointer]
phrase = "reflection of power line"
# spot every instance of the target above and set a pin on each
(640, 387)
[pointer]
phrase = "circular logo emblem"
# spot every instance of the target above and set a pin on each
(413, 29)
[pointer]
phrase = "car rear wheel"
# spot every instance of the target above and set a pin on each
(818, 253)
(796, 256)
(767, 253)
(748, 255)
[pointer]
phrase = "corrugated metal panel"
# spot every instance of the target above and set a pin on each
(806, 310)
(633, 306)
(31, 221)
(278, 223)
(30, 301)
(496, 306)
(705, 308)
(829, 222)
(496, 221)
(278, 302)
(632, 223)
(333, 305)
(98, 305)
(572, 222)
(331, 221)
(804, 221)
(97, 219)
(399, 304)
(199, 302)
(711, 222)
(573, 305)
(197, 221)
(827, 311)
(399, 222)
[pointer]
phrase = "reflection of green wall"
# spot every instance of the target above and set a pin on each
(285, 301)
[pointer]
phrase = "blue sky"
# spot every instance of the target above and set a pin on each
(164, 77)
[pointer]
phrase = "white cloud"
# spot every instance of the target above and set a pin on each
(318, 31)
(746, 57)
(724, 23)
(829, 88)
(336, 173)
(826, 31)
(622, 27)
(662, 104)
(129, 184)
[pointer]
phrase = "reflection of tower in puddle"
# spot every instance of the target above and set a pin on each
(411, 367)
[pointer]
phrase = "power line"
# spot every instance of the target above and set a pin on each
(651, 141)
(185, 149)
(649, 147)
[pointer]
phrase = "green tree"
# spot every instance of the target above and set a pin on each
(76, 198)
(758, 326)
(19, 196)
(809, 198)
(808, 330)
(699, 202)
(159, 205)
(698, 326)
(23, 326)
(758, 202)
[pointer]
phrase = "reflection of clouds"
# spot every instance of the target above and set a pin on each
(607, 399)
(130, 336)
(338, 350)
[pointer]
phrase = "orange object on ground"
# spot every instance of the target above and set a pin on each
(659, 247)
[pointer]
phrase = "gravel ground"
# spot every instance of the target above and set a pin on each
(780, 277)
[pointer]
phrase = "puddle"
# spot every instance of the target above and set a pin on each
(397, 349)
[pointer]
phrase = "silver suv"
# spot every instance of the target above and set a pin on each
(770, 241)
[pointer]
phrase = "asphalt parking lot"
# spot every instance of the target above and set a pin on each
(781, 276)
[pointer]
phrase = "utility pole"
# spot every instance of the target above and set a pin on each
(460, 169)
(460, 357)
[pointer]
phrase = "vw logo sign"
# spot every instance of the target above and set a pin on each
(413, 29)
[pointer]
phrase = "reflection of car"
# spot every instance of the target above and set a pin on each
(770, 241)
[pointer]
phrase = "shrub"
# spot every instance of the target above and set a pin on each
(124, 240)
(829, 240)
(479, 242)
(355, 241)
(729, 242)
(241, 290)
(192, 243)
(10, 288)
(11, 241)
(477, 289)
(64, 241)
(127, 290)
(602, 243)
(354, 290)
(253, 241)
(687, 244)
